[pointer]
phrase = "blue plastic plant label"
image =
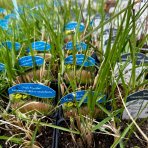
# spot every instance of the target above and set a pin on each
(72, 96)
(10, 16)
(2, 67)
(137, 105)
(33, 89)
(4, 21)
(72, 26)
(4, 24)
(79, 46)
(9, 45)
(78, 95)
(40, 46)
(140, 58)
(81, 60)
(2, 10)
(30, 61)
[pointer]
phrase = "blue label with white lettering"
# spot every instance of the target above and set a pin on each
(33, 89)
(81, 60)
(140, 58)
(4, 21)
(9, 45)
(30, 61)
(4, 24)
(79, 46)
(10, 16)
(72, 26)
(2, 10)
(78, 95)
(40, 46)
(2, 67)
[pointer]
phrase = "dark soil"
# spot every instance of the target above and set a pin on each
(3, 143)
(44, 138)
(99, 140)
(105, 141)
(45, 135)
(136, 139)
(65, 140)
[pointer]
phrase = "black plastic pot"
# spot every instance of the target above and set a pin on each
(62, 121)
(86, 75)
(57, 116)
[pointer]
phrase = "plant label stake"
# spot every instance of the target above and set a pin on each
(81, 60)
(9, 45)
(140, 58)
(2, 67)
(78, 95)
(85, 62)
(79, 46)
(4, 24)
(72, 26)
(40, 46)
(33, 89)
(80, 98)
(30, 61)
(137, 105)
